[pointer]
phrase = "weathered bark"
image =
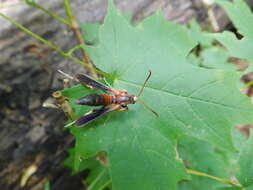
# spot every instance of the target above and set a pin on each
(33, 135)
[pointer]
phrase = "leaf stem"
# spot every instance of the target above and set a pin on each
(50, 13)
(97, 179)
(74, 49)
(105, 185)
(56, 48)
(227, 181)
(76, 29)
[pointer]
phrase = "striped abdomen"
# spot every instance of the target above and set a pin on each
(96, 100)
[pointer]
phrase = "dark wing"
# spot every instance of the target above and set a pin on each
(87, 80)
(86, 119)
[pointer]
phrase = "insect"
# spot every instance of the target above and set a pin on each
(116, 100)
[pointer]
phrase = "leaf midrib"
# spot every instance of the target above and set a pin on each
(186, 97)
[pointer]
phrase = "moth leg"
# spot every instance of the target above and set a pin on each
(123, 108)
(94, 110)
(118, 109)
(107, 83)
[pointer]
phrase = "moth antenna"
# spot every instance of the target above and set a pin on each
(142, 88)
(148, 108)
(67, 75)
(70, 124)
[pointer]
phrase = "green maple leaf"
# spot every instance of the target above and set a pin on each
(198, 102)
(210, 56)
(90, 32)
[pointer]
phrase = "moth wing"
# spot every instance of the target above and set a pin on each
(86, 119)
(87, 80)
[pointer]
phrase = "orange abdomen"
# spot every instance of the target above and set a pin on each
(107, 99)
(96, 100)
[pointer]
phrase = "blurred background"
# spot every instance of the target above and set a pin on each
(32, 138)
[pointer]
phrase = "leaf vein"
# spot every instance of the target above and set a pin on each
(191, 98)
(205, 123)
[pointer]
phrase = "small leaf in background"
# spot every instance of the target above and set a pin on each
(202, 37)
(211, 56)
(216, 57)
(90, 32)
(242, 17)
(98, 174)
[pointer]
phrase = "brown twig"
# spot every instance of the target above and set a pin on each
(62, 102)
(76, 29)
